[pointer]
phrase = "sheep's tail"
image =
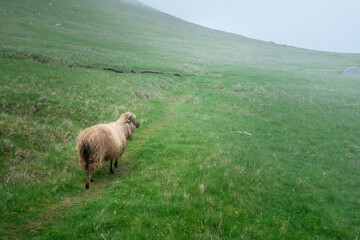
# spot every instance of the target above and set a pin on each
(85, 154)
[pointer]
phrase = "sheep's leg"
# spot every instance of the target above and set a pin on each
(91, 180)
(89, 173)
(116, 163)
(111, 167)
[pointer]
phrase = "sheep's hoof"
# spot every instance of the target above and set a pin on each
(112, 171)
(91, 180)
(87, 186)
(115, 165)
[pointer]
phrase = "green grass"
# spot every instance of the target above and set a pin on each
(256, 141)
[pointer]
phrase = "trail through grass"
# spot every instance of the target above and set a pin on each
(53, 213)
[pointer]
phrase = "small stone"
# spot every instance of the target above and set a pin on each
(352, 71)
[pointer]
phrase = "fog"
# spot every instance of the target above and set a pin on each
(331, 25)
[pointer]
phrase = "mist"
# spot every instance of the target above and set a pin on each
(331, 25)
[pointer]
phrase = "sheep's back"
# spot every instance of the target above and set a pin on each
(104, 144)
(119, 136)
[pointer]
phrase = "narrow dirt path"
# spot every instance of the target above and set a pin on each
(54, 212)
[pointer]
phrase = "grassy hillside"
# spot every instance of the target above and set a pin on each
(255, 141)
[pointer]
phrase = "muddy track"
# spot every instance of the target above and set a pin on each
(47, 60)
(122, 71)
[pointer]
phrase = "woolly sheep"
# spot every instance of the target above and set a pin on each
(105, 142)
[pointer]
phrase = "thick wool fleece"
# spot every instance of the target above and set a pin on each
(104, 142)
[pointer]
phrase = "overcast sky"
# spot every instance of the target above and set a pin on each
(326, 25)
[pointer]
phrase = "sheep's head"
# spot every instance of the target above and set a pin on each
(132, 119)
(129, 118)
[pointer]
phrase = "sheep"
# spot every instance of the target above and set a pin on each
(105, 142)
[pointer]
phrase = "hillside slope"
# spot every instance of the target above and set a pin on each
(254, 141)
(132, 35)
